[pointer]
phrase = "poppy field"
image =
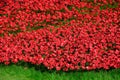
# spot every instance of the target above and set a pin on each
(61, 34)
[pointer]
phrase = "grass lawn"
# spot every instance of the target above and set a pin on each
(14, 72)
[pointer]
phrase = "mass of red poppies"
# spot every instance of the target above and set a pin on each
(61, 34)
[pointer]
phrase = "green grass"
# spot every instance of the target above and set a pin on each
(14, 72)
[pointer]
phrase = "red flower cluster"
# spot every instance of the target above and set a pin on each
(69, 47)
(89, 41)
(22, 15)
